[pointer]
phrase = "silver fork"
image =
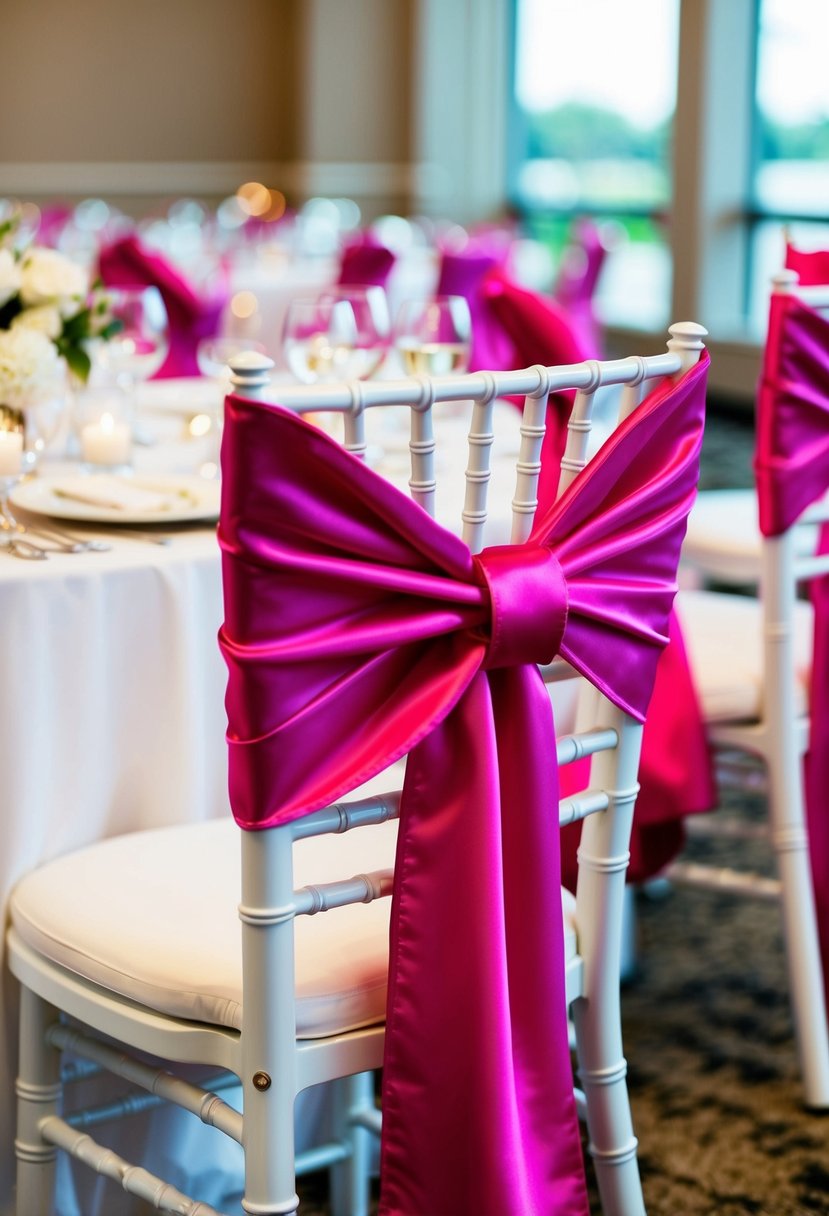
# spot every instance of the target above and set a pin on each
(61, 541)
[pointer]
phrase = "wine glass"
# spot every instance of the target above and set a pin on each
(140, 346)
(372, 327)
(213, 356)
(342, 334)
(432, 336)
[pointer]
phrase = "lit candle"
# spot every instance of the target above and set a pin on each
(11, 453)
(106, 442)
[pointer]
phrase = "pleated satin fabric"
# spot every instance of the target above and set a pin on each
(356, 630)
(792, 472)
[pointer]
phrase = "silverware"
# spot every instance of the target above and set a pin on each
(59, 541)
(18, 547)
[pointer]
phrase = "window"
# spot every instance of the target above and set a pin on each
(594, 91)
(791, 170)
(713, 113)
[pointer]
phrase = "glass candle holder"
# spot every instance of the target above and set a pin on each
(104, 430)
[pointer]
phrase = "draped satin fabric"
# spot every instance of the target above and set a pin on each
(811, 265)
(792, 472)
(127, 262)
(462, 273)
(357, 630)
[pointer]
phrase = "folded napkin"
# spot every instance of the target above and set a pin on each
(365, 262)
(113, 493)
(462, 273)
(127, 262)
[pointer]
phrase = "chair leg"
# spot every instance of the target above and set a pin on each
(602, 1071)
(38, 1096)
(351, 1180)
(800, 931)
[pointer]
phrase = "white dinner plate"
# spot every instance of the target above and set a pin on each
(190, 499)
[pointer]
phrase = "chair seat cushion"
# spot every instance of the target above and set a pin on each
(723, 538)
(153, 917)
(724, 638)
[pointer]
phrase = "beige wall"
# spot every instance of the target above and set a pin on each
(155, 80)
(140, 99)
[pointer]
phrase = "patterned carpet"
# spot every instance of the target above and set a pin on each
(708, 1034)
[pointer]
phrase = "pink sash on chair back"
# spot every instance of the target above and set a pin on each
(127, 262)
(792, 470)
(462, 273)
(810, 265)
(578, 277)
(358, 630)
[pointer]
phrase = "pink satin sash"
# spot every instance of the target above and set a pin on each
(357, 630)
(127, 262)
(578, 277)
(811, 265)
(792, 471)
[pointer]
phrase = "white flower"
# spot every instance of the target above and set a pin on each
(30, 368)
(9, 276)
(45, 319)
(47, 277)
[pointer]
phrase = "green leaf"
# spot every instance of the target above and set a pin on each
(78, 362)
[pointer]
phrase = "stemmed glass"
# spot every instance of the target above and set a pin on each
(213, 356)
(140, 346)
(342, 334)
(433, 335)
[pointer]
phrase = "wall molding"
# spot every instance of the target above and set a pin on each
(303, 178)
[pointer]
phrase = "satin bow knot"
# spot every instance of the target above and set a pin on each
(528, 599)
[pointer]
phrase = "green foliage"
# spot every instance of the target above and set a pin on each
(575, 131)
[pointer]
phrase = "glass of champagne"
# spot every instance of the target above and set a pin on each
(432, 336)
(140, 346)
(318, 339)
(372, 328)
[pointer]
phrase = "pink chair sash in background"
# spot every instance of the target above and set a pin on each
(127, 262)
(810, 265)
(462, 273)
(676, 774)
(578, 277)
(365, 262)
(358, 630)
(792, 471)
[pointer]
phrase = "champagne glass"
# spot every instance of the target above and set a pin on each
(342, 334)
(432, 336)
(140, 346)
(372, 328)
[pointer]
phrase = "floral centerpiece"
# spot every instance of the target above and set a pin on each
(50, 317)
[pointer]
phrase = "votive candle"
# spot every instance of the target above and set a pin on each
(106, 442)
(11, 453)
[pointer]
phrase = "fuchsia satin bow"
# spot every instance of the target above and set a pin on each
(792, 471)
(357, 630)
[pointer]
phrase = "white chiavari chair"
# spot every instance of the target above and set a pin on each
(751, 658)
(126, 940)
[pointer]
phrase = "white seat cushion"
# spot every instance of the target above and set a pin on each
(724, 639)
(723, 538)
(153, 916)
